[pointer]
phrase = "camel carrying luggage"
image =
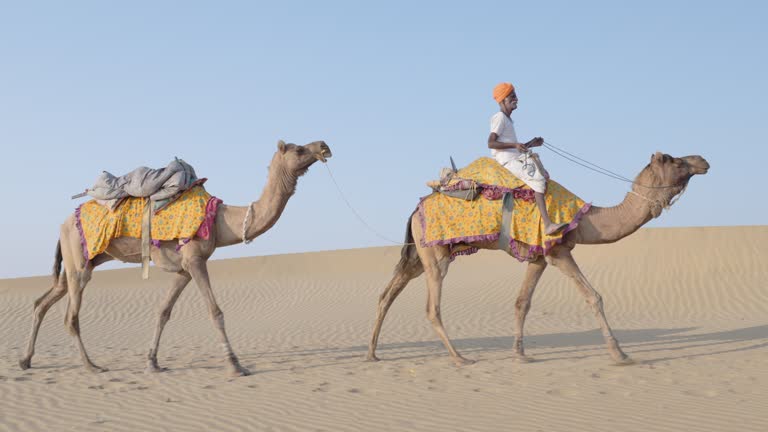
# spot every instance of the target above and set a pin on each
(161, 186)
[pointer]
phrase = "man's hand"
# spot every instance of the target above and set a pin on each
(536, 142)
(522, 148)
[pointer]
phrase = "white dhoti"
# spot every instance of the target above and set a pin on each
(527, 167)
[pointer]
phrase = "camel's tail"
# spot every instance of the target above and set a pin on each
(57, 263)
(409, 259)
(56, 272)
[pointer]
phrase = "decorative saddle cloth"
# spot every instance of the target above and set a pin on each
(192, 213)
(456, 222)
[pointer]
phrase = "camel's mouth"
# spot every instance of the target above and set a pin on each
(697, 164)
(324, 153)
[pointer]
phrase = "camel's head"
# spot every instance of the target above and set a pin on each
(297, 158)
(664, 180)
(677, 171)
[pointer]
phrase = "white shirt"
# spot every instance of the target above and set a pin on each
(504, 128)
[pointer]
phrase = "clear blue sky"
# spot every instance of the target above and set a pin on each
(393, 87)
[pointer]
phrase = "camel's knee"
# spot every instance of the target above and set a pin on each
(523, 304)
(595, 300)
(433, 315)
(216, 314)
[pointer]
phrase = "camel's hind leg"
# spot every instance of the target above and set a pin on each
(78, 272)
(563, 259)
(76, 282)
(523, 304)
(408, 268)
(179, 283)
(436, 267)
(41, 308)
(436, 260)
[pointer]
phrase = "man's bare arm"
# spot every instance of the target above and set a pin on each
(494, 144)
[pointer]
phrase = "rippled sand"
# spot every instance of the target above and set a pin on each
(690, 305)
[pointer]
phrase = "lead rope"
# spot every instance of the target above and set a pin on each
(357, 215)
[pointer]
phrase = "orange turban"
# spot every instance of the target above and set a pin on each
(501, 91)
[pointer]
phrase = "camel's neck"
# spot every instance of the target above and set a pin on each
(611, 224)
(281, 185)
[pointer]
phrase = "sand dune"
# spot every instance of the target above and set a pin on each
(690, 305)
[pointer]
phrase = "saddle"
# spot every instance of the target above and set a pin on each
(162, 186)
(506, 212)
(450, 184)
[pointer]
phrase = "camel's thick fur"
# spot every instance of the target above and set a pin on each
(288, 164)
(599, 225)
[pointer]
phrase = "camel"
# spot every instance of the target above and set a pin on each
(664, 178)
(233, 225)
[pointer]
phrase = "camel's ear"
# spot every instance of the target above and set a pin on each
(658, 157)
(281, 146)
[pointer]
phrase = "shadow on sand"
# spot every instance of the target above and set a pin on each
(558, 346)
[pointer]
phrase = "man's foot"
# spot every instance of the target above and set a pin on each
(555, 228)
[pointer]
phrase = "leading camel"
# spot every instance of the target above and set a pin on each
(232, 226)
(653, 190)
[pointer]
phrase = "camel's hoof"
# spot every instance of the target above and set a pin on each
(461, 361)
(155, 369)
(624, 361)
(96, 369)
(372, 358)
(239, 372)
(524, 359)
(25, 363)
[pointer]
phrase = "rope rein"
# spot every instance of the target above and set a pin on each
(558, 151)
(598, 169)
(657, 203)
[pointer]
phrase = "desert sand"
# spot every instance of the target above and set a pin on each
(690, 305)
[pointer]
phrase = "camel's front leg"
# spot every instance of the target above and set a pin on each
(179, 283)
(523, 304)
(198, 268)
(565, 262)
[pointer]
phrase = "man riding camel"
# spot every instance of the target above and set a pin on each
(517, 157)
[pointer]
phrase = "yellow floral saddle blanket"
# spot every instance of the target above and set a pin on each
(192, 213)
(456, 222)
